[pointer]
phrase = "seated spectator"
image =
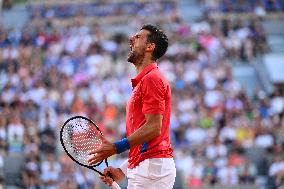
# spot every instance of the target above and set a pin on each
(276, 170)
(3, 134)
(247, 172)
(272, 5)
(277, 103)
(216, 150)
(7, 4)
(264, 139)
(31, 172)
(195, 176)
(210, 174)
(85, 178)
(228, 175)
(50, 172)
(15, 135)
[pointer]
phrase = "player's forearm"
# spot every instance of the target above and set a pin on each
(144, 134)
(150, 130)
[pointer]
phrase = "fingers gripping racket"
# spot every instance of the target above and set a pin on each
(79, 136)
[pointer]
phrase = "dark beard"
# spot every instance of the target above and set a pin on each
(131, 57)
(135, 57)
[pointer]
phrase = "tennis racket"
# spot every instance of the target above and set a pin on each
(79, 136)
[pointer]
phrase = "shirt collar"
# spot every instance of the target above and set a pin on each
(146, 70)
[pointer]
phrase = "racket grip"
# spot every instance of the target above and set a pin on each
(115, 185)
(109, 175)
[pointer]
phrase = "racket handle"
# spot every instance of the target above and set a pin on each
(115, 185)
(109, 175)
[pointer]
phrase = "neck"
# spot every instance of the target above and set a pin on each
(143, 64)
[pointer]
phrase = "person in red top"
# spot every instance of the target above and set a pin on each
(150, 163)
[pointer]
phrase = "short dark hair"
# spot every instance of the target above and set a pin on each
(159, 38)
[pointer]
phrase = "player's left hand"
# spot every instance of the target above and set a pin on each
(107, 180)
(106, 150)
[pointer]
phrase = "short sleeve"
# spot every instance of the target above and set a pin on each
(153, 96)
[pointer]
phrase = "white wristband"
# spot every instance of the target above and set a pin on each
(115, 186)
(124, 166)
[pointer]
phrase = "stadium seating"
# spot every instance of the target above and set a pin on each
(63, 63)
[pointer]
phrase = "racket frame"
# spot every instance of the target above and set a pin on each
(92, 167)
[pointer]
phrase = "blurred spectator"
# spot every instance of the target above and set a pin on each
(50, 172)
(276, 170)
(243, 6)
(264, 139)
(216, 150)
(3, 134)
(101, 9)
(228, 175)
(277, 103)
(195, 177)
(1, 169)
(15, 135)
(247, 172)
(210, 173)
(85, 178)
(7, 4)
(31, 172)
(67, 177)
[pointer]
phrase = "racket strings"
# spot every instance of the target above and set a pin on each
(81, 137)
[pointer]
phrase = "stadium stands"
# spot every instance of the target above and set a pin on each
(55, 67)
(93, 12)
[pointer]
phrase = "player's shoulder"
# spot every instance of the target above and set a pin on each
(155, 76)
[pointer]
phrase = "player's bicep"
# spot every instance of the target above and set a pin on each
(154, 120)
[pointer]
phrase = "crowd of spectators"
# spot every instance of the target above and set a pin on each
(102, 9)
(242, 6)
(48, 74)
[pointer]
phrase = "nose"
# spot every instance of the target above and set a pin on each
(131, 38)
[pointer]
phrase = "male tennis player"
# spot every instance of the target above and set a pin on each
(150, 163)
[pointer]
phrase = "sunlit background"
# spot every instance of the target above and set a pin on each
(225, 64)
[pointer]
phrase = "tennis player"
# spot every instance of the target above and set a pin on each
(150, 163)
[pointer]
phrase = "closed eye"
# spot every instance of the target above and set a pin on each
(137, 36)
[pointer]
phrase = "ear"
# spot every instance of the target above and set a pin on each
(150, 47)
